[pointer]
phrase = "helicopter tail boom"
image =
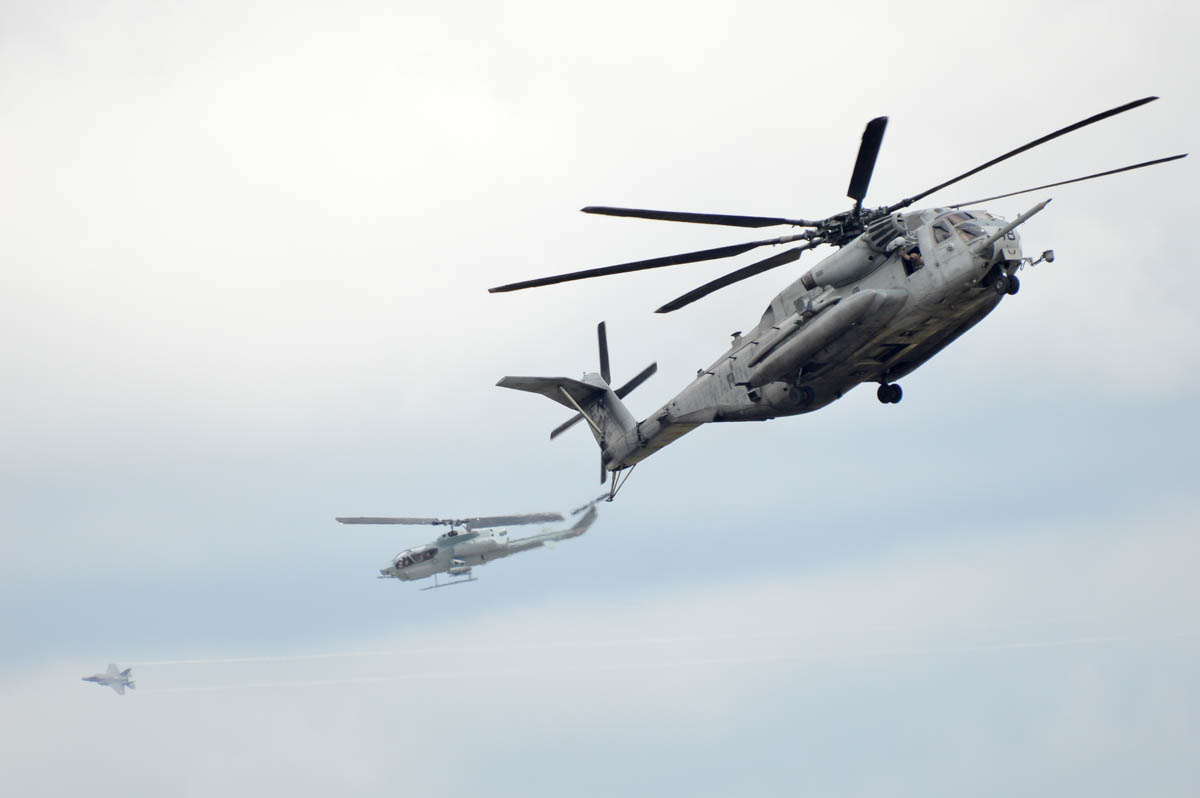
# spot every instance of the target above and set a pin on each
(592, 398)
(594, 401)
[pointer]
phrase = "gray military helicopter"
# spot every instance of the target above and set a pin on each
(458, 550)
(900, 288)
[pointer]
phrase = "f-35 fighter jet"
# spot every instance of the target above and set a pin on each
(117, 680)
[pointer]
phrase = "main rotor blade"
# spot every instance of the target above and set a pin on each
(864, 165)
(1075, 180)
(583, 507)
(621, 393)
(485, 521)
(698, 218)
(1061, 132)
(741, 274)
(479, 522)
(384, 520)
(653, 263)
(602, 335)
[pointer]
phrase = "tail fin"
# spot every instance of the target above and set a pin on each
(126, 673)
(593, 400)
(132, 685)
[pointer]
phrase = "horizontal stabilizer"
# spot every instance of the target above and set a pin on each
(553, 388)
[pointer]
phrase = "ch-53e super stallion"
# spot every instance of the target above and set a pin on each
(901, 287)
(472, 541)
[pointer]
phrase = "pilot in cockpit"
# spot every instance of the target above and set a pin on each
(910, 254)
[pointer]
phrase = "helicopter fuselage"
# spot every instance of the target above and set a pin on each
(874, 311)
(457, 551)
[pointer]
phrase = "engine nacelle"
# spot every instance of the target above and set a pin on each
(859, 258)
(480, 545)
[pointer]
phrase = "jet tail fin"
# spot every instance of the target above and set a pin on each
(132, 685)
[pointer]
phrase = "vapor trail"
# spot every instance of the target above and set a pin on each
(465, 649)
(591, 669)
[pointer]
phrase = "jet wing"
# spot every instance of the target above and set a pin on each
(118, 687)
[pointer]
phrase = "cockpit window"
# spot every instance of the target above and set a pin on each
(958, 217)
(408, 558)
(969, 232)
(940, 233)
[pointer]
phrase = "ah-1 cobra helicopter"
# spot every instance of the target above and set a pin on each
(464, 546)
(901, 287)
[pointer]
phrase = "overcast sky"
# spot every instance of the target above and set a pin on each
(245, 257)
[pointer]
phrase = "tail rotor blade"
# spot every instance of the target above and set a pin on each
(602, 335)
(566, 425)
(621, 393)
(642, 376)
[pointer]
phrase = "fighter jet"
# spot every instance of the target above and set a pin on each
(117, 680)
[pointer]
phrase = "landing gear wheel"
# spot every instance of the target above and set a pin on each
(1001, 285)
(889, 394)
(804, 395)
(1014, 285)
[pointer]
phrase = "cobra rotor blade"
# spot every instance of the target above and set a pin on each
(602, 337)
(741, 274)
(1091, 120)
(1074, 180)
(586, 505)
(621, 393)
(698, 218)
(482, 522)
(387, 520)
(653, 263)
(864, 165)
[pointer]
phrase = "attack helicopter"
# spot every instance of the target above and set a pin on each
(902, 285)
(472, 541)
